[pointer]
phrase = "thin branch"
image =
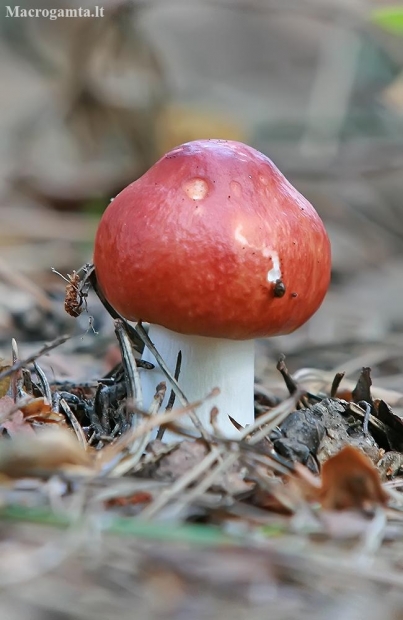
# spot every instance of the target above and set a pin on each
(136, 450)
(136, 341)
(134, 390)
(31, 358)
(74, 423)
(270, 419)
(182, 483)
(171, 400)
(43, 380)
(109, 453)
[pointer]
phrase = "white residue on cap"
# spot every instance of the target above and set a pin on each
(274, 273)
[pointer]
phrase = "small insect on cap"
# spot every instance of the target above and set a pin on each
(213, 240)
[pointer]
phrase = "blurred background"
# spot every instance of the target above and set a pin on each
(88, 105)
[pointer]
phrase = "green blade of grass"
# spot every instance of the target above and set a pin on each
(195, 534)
(389, 18)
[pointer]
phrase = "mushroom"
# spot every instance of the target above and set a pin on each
(213, 247)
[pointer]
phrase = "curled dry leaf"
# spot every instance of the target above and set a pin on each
(304, 484)
(11, 418)
(18, 417)
(350, 480)
(41, 454)
(40, 410)
(37, 407)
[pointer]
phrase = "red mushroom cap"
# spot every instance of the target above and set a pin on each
(213, 240)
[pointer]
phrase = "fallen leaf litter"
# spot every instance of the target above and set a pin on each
(305, 457)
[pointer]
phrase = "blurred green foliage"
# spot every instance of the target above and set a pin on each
(389, 19)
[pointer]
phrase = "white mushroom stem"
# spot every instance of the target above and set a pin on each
(206, 363)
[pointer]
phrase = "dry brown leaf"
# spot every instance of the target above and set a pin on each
(305, 484)
(188, 454)
(13, 419)
(39, 410)
(18, 418)
(37, 407)
(43, 453)
(51, 418)
(16, 424)
(140, 497)
(6, 406)
(350, 480)
(278, 501)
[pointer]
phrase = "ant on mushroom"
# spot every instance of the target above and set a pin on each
(75, 302)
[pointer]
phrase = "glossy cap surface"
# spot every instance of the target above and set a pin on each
(213, 240)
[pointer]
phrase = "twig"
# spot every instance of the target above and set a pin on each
(178, 365)
(288, 379)
(139, 334)
(136, 341)
(367, 409)
(168, 416)
(275, 461)
(171, 400)
(322, 380)
(270, 419)
(208, 480)
(14, 380)
(74, 423)
(338, 378)
(372, 539)
(125, 440)
(134, 390)
(135, 451)
(150, 458)
(44, 383)
(26, 381)
(178, 486)
(28, 360)
(255, 451)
